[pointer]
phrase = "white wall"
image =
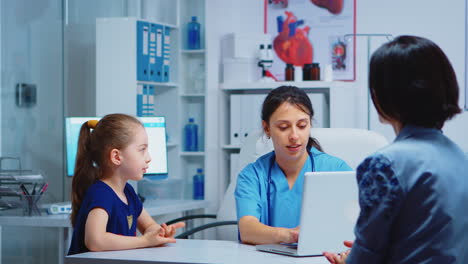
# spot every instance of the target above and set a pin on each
(437, 20)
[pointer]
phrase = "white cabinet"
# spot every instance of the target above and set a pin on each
(178, 99)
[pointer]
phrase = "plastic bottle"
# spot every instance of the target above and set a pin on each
(199, 79)
(193, 37)
(199, 185)
(191, 135)
(289, 73)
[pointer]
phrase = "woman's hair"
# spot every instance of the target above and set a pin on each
(294, 96)
(412, 81)
(114, 131)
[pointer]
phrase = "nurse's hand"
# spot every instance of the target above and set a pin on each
(288, 235)
(339, 258)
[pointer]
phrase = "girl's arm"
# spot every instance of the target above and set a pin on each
(254, 232)
(97, 239)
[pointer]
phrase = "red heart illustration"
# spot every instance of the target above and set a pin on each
(334, 6)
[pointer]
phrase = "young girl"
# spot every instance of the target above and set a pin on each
(412, 193)
(106, 211)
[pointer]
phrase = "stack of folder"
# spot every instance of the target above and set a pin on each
(153, 52)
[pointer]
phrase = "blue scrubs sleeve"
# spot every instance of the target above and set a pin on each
(247, 193)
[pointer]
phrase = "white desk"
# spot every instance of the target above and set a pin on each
(154, 208)
(191, 251)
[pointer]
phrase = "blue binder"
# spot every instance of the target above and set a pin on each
(140, 94)
(156, 53)
(152, 53)
(148, 101)
(142, 50)
(166, 54)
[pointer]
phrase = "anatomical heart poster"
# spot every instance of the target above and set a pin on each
(312, 31)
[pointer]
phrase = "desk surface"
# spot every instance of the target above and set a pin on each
(154, 208)
(191, 251)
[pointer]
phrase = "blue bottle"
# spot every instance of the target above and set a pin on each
(199, 185)
(193, 30)
(191, 135)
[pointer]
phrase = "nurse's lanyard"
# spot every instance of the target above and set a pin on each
(272, 162)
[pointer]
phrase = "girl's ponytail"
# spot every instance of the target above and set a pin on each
(85, 171)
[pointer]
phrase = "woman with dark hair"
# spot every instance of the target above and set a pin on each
(269, 191)
(412, 193)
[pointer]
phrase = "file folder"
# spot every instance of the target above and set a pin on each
(152, 54)
(235, 124)
(156, 52)
(148, 101)
(166, 54)
(139, 110)
(142, 50)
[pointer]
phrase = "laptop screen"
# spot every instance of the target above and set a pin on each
(155, 128)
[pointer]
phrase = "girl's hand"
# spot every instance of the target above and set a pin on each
(154, 238)
(339, 258)
(170, 230)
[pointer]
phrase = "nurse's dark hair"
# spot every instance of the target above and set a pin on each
(114, 131)
(294, 96)
(412, 81)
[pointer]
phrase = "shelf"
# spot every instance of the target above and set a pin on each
(231, 147)
(193, 154)
(200, 51)
(171, 145)
(271, 85)
(159, 84)
(192, 95)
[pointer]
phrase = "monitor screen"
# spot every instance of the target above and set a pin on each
(155, 128)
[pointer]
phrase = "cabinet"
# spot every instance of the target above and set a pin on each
(178, 98)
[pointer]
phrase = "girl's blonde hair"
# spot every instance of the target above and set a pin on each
(96, 140)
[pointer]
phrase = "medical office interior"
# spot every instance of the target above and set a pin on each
(57, 58)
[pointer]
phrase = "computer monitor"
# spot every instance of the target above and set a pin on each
(155, 128)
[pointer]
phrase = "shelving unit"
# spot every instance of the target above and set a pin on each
(116, 45)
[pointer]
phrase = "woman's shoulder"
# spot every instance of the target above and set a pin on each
(327, 162)
(259, 166)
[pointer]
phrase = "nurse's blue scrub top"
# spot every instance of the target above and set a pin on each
(252, 185)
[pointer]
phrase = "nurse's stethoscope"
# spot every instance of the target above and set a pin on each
(272, 162)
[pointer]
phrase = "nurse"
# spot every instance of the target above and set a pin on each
(269, 191)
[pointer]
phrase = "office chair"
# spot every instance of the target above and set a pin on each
(350, 144)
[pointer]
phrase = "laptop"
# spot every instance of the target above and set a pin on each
(329, 212)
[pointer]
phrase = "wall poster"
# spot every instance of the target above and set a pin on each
(312, 31)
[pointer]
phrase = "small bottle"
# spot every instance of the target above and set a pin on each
(289, 72)
(199, 185)
(193, 30)
(315, 72)
(191, 135)
(306, 72)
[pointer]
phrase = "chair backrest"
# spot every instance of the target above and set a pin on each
(350, 144)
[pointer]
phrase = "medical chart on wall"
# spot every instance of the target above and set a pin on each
(312, 31)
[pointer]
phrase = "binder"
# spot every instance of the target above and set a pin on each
(235, 122)
(166, 54)
(156, 52)
(152, 61)
(139, 110)
(148, 101)
(142, 50)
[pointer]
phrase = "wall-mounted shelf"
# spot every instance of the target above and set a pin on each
(192, 95)
(192, 154)
(159, 84)
(200, 51)
(272, 85)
